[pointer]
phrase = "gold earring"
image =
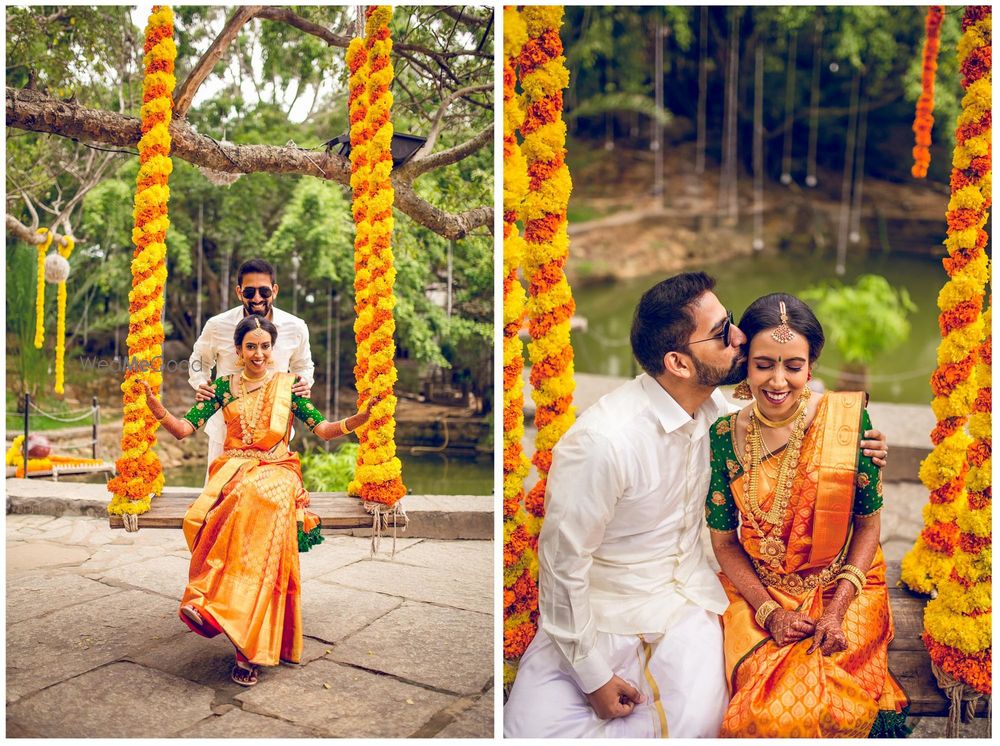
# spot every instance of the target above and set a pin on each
(742, 391)
(239, 361)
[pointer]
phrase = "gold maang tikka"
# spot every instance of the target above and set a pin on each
(783, 333)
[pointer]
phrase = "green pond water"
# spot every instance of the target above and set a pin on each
(901, 375)
(423, 474)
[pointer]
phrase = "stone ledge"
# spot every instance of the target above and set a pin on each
(430, 516)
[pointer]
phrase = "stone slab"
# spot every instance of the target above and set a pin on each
(339, 551)
(240, 724)
(102, 704)
(331, 612)
(475, 558)
(165, 575)
(32, 595)
(111, 556)
(34, 555)
(475, 722)
(438, 586)
(357, 703)
(448, 649)
(71, 641)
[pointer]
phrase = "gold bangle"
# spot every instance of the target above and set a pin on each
(850, 578)
(764, 611)
(343, 426)
(856, 571)
(161, 417)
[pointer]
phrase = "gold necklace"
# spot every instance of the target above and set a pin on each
(786, 471)
(775, 424)
(249, 420)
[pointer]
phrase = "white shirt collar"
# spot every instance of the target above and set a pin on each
(672, 415)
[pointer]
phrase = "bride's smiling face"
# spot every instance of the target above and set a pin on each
(256, 352)
(777, 373)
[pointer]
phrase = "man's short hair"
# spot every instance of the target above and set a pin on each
(663, 320)
(255, 266)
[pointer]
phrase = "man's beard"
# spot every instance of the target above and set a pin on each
(260, 312)
(710, 375)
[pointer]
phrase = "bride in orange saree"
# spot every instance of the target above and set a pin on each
(250, 522)
(808, 627)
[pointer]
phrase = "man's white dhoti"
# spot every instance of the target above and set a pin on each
(681, 676)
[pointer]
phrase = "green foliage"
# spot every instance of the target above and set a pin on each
(862, 320)
(329, 472)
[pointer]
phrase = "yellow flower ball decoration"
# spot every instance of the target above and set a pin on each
(520, 565)
(140, 475)
(64, 251)
(42, 248)
(953, 383)
(378, 477)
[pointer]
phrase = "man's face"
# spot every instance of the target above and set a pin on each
(252, 290)
(717, 361)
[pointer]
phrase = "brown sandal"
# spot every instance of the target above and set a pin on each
(244, 676)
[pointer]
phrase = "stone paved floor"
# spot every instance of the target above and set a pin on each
(393, 648)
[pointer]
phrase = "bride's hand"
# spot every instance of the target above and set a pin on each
(829, 636)
(154, 404)
(787, 627)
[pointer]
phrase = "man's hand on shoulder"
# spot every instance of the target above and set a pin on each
(205, 392)
(616, 699)
(301, 387)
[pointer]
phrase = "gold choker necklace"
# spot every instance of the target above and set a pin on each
(803, 399)
(245, 377)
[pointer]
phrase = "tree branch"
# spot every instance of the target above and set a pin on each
(416, 167)
(428, 147)
(185, 94)
(22, 232)
(465, 15)
(34, 111)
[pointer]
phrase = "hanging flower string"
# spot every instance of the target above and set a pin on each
(961, 302)
(924, 120)
(64, 251)
(140, 474)
(958, 623)
(42, 248)
(379, 471)
(520, 561)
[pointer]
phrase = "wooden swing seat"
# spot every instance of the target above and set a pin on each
(336, 510)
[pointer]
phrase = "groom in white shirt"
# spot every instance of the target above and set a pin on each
(256, 289)
(630, 641)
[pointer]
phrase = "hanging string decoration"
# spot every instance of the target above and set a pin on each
(958, 623)
(378, 477)
(543, 75)
(42, 248)
(62, 273)
(924, 120)
(520, 560)
(960, 300)
(140, 474)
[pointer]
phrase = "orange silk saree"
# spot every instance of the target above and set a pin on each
(243, 534)
(780, 692)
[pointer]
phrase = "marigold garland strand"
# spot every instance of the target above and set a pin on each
(64, 252)
(140, 474)
(923, 123)
(961, 301)
(42, 248)
(378, 477)
(520, 562)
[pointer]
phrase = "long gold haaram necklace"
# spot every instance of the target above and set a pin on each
(772, 548)
(249, 411)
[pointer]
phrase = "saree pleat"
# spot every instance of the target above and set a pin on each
(784, 692)
(243, 534)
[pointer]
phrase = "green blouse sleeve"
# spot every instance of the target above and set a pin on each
(868, 482)
(198, 414)
(304, 411)
(721, 513)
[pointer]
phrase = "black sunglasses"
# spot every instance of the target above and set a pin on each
(727, 326)
(250, 291)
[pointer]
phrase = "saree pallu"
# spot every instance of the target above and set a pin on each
(779, 692)
(244, 538)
